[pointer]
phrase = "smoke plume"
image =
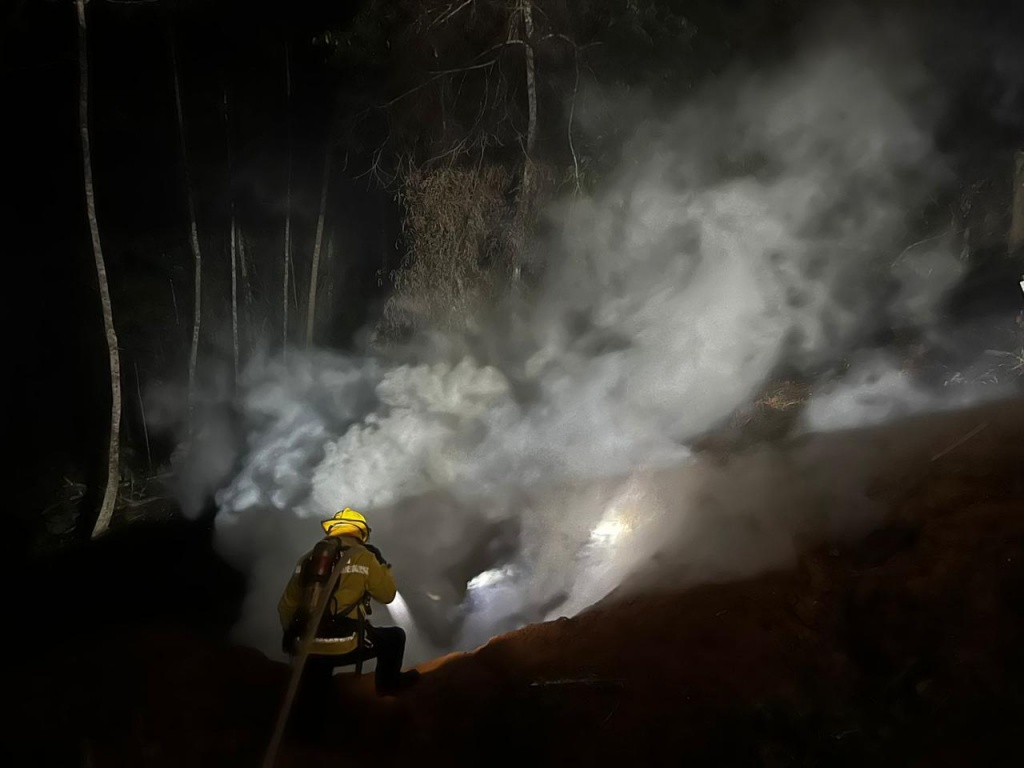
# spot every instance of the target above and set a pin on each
(762, 226)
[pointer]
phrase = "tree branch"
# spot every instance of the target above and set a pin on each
(445, 17)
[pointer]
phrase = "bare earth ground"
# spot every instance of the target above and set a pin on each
(904, 647)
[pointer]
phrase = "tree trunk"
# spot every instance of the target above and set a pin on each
(329, 292)
(523, 198)
(531, 76)
(142, 411)
(315, 266)
(234, 296)
(193, 239)
(234, 244)
(1016, 239)
(113, 450)
(288, 197)
(243, 266)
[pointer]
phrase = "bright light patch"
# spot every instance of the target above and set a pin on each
(489, 578)
(400, 611)
(610, 530)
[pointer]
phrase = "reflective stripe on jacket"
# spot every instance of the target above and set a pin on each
(361, 575)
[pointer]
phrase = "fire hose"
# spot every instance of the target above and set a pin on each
(323, 590)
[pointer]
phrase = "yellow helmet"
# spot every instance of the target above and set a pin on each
(348, 522)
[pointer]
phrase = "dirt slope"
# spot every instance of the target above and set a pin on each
(904, 647)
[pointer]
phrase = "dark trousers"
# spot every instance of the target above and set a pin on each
(385, 644)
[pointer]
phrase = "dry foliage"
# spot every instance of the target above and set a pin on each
(783, 395)
(453, 219)
(771, 415)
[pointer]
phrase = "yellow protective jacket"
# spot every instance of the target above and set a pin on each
(361, 575)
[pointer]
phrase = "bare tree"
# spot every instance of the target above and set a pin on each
(193, 237)
(113, 450)
(329, 290)
(234, 294)
(234, 244)
(1016, 239)
(523, 197)
(244, 269)
(315, 266)
(288, 197)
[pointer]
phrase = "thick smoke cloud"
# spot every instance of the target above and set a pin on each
(762, 225)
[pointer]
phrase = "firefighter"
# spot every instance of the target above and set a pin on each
(345, 636)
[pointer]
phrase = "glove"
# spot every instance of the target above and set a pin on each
(290, 641)
(378, 555)
(292, 635)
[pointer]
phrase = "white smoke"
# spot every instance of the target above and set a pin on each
(759, 226)
(877, 390)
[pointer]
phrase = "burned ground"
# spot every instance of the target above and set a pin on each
(902, 647)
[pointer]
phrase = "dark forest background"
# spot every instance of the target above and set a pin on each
(424, 110)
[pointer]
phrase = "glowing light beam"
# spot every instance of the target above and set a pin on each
(399, 611)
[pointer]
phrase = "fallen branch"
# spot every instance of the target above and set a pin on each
(133, 503)
(961, 441)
